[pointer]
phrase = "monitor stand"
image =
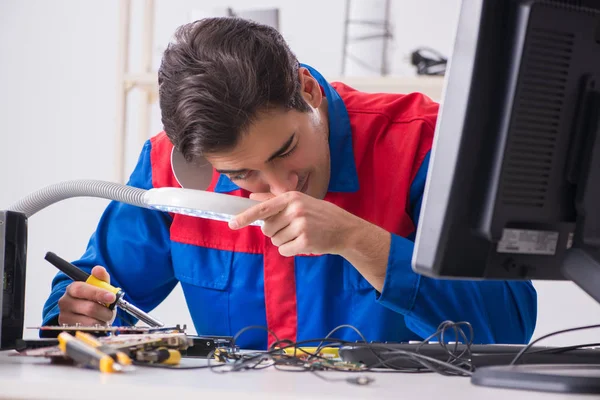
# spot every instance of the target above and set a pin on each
(583, 379)
(584, 270)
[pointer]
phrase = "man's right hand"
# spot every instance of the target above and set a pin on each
(83, 303)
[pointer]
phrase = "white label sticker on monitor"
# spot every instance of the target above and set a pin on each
(522, 241)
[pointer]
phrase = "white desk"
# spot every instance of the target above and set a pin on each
(36, 378)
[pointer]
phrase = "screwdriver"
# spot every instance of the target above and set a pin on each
(162, 355)
(117, 355)
(79, 275)
(85, 354)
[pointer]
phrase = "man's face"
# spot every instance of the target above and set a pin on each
(282, 150)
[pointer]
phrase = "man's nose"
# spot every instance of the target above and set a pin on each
(282, 182)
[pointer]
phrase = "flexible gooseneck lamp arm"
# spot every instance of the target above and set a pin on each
(13, 230)
(49, 195)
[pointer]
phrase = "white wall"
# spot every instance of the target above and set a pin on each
(57, 93)
(57, 74)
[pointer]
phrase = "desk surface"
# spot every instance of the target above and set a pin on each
(34, 378)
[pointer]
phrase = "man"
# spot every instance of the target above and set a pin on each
(340, 175)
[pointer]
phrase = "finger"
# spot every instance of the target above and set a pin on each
(276, 223)
(294, 213)
(101, 273)
(262, 211)
(85, 291)
(74, 319)
(90, 309)
(261, 196)
(293, 248)
(286, 234)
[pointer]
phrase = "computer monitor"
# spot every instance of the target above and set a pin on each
(513, 187)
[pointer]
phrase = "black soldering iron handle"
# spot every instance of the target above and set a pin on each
(69, 269)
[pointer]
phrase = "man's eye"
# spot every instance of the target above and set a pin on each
(240, 177)
(289, 152)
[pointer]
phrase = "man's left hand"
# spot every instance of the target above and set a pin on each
(300, 224)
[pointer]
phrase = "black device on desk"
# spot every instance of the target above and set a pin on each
(13, 251)
(397, 355)
(513, 187)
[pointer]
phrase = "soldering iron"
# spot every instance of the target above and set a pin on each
(79, 275)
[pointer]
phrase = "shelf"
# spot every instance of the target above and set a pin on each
(146, 81)
(428, 85)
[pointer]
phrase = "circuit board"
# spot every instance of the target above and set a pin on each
(114, 330)
(141, 343)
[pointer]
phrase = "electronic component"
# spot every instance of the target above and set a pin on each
(177, 341)
(47, 352)
(203, 346)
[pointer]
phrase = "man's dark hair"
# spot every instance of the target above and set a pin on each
(216, 77)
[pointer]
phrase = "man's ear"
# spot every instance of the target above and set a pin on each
(310, 88)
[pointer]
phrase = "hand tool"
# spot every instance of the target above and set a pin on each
(116, 354)
(79, 275)
(86, 355)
